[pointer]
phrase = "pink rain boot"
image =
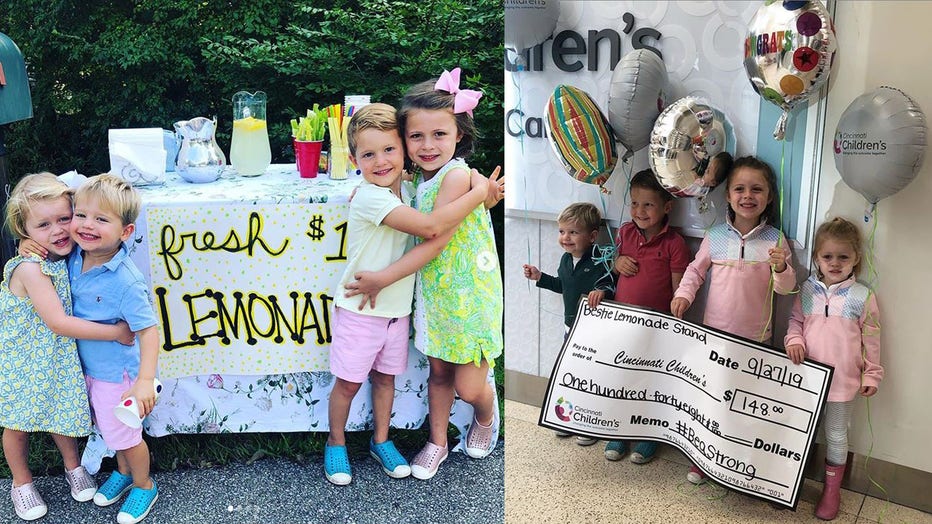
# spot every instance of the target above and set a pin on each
(831, 495)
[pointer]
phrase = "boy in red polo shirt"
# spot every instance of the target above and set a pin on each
(651, 259)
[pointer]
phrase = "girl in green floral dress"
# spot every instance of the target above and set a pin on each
(41, 384)
(458, 294)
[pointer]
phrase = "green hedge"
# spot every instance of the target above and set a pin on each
(98, 65)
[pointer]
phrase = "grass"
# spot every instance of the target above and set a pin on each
(173, 452)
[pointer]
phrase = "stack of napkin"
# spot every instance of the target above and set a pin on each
(138, 155)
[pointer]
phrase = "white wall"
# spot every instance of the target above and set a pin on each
(879, 43)
(886, 43)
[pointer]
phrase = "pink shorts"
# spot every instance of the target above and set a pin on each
(104, 396)
(362, 343)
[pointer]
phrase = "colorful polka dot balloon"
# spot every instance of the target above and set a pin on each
(580, 135)
(788, 53)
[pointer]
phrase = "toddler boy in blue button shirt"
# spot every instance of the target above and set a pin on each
(107, 287)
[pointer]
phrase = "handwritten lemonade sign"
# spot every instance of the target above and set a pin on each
(245, 289)
(740, 410)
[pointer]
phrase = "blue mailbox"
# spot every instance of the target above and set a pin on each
(15, 100)
(15, 105)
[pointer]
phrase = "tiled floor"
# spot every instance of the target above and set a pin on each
(552, 480)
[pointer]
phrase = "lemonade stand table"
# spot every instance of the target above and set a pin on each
(242, 273)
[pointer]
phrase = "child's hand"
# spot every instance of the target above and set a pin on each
(678, 306)
(28, 246)
(868, 391)
(531, 272)
(778, 259)
(477, 180)
(126, 336)
(144, 391)
(407, 176)
(367, 283)
(796, 352)
(626, 266)
(595, 298)
(496, 189)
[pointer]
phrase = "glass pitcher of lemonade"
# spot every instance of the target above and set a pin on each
(250, 153)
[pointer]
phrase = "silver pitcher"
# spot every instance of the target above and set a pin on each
(200, 159)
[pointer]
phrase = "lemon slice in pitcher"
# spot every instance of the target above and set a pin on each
(249, 124)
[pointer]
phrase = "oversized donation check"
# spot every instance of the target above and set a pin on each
(742, 411)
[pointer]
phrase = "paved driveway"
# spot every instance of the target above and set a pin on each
(281, 491)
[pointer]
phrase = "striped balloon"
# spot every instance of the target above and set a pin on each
(580, 135)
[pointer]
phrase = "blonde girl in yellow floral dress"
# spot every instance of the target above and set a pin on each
(41, 384)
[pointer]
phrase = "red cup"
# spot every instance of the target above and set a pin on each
(307, 156)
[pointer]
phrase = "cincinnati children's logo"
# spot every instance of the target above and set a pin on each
(563, 409)
(853, 143)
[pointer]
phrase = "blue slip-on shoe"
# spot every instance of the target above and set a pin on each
(138, 504)
(615, 449)
(111, 491)
(386, 454)
(643, 452)
(336, 465)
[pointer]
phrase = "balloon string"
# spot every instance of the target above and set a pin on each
(627, 167)
(871, 270)
(780, 196)
(872, 276)
(771, 285)
(608, 225)
(768, 308)
(527, 228)
(710, 491)
(605, 255)
(624, 197)
(527, 221)
(519, 112)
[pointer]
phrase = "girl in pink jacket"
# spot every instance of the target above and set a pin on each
(747, 255)
(836, 321)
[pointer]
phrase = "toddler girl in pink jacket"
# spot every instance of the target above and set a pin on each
(836, 321)
(744, 254)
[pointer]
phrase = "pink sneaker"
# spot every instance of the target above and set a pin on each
(427, 461)
(81, 483)
(696, 476)
(27, 502)
(480, 440)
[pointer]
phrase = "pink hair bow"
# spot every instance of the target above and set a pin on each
(463, 99)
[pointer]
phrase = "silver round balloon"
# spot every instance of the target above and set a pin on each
(687, 134)
(530, 23)
(636, 98)
(880, 143)
(788, 53)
